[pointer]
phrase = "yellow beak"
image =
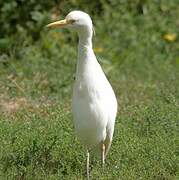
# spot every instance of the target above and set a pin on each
(59, 24)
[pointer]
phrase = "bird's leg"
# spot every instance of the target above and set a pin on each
(87, 164)
(102, 154)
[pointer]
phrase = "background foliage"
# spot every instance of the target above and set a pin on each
(137, 45)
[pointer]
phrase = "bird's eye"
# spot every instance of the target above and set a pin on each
(71, 21)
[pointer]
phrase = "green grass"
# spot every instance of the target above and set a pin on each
(37, 139)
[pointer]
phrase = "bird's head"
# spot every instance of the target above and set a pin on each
(77, 20)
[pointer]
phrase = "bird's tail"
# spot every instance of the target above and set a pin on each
(97, 149)
(107, 144)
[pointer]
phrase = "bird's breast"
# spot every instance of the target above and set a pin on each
(89, 113)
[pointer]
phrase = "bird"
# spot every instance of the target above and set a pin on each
(94, 104)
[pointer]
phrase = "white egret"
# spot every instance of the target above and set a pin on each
(94, 104)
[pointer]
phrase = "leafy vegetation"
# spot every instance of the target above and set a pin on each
(136, 43)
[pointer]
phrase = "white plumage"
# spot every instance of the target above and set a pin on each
(94, 104)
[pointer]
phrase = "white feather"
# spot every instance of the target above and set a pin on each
(94, 104)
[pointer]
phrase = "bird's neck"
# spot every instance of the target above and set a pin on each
(85, 52)
(85, 38)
